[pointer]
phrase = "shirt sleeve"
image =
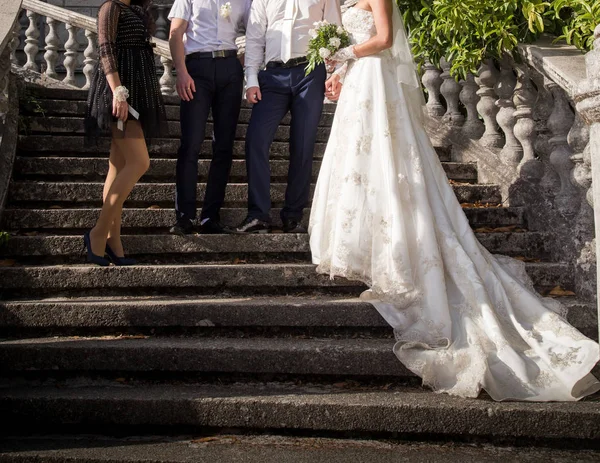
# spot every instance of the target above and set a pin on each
(181, 9)
(108, 21)
(332, 12)
(255, 42)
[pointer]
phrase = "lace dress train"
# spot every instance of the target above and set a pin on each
(384, 213)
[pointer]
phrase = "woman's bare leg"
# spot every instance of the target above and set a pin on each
(116, 163)
(133, 149)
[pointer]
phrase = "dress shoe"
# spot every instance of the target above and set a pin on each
(293, 226)
(182, 227)
(250, 225)
(214, 227)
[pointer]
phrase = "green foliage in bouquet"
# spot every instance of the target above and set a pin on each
(466, 32)
(322, 40)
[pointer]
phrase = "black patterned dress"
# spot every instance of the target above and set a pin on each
(125, 47)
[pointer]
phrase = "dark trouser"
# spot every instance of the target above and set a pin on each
(284, 90)
(219, 85)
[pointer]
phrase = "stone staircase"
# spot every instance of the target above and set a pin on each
(223, 334)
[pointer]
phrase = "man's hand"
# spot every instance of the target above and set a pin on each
(253, 95)
(333, 88)
(185, 86)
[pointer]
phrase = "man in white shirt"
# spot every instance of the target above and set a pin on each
(209, 76)
(277, 40)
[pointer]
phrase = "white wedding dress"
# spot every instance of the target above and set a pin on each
(384, 213)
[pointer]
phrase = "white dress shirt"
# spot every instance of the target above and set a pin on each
(207, 29)
(278, 30)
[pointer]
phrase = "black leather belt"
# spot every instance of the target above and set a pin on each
(290, 64)
(213, 54)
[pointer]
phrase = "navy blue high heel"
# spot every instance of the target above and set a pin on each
(91, 257)
(120, 261)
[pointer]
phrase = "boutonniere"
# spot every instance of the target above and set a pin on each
(225, 10)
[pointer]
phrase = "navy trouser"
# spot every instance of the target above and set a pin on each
(284, 90)
(219, 86)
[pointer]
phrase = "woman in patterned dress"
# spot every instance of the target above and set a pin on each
(124, 102)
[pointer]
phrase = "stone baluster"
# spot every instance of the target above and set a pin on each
(505, 86)
(32, 35)
(4, 79)
(473, 127)
(52, 43)
(487, 104)
(71, 50)
(432, 82)
(541, 112)
(450, 90)
(560, 123)
(588, 105)
(14, 43)
(525, 95)
(90, 58)
(578, 139)
(162, 30)
(167, 81)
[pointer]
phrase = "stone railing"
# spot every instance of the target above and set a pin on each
(587, 96)
(9, 10)
(74, 52)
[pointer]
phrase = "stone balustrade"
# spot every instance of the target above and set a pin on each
(73, 55)
(587, 97)
(525, 113)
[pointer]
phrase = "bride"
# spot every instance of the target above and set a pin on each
(385, 214)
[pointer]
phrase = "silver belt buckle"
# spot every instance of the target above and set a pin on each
(218, 54)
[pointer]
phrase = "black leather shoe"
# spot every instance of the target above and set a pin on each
(250, 225)
(214, 227)
(182, 227)
(293, 226)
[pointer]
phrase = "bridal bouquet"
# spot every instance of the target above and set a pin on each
(325, 40)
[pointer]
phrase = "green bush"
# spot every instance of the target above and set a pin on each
(469, 31)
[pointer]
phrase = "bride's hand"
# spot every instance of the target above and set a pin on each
(333, 87)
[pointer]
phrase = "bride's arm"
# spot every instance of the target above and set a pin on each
(382, 40)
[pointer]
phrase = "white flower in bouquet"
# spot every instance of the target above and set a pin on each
(340, 30)
(335, 42)
(313, 33)
(225, 10)
(324, 53)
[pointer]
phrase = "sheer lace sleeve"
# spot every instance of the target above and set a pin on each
(341, 71)
(108, 21)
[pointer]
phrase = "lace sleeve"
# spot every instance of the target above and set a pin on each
(108, 21)
(341, 71)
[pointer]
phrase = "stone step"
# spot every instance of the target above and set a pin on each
(162, 218)
(77, 108)
(60, 145)
(239, 448)
(75, 125)
(146, 313)
(245, 356)
(164, 193)
(245, 277)
(527, 244)
(164, 169)
(289, 407)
